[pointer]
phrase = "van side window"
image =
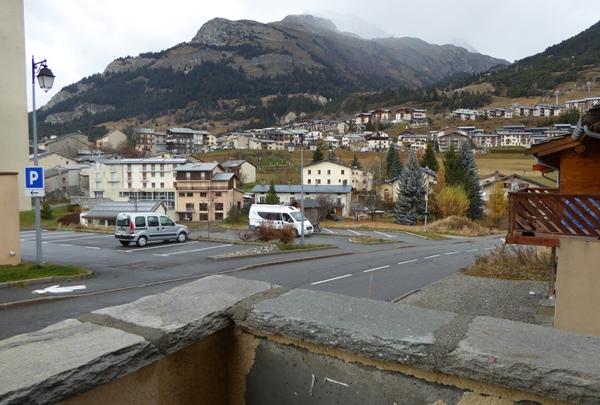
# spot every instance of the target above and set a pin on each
(166, 221)
(271, 216)
(152, 221)
(140, 222)
(287, 218)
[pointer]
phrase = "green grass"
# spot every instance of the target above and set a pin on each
(26, 271)
(370, 240)
(27, 218)
(298, 246)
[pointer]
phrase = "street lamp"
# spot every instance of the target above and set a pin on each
(46, 80)
(291, 147)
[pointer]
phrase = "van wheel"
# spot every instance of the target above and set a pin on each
(297, 233)
(142, 241)
(125, 242)
(182, 237)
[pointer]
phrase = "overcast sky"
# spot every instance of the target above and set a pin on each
(80, 37)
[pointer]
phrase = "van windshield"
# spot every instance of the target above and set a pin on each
(123, 221)
(297, 216)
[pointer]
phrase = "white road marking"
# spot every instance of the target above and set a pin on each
(190, 251)
(65, 244)
(452, 253)
(471, 250)
(86, 237)
(354, 232)
(431, 257)
(153, 247)
(327, 230)
(376, 268)
(327, 379)
(489, 248)
(57, 289)
(384, 234)
(331, 279)
(408, 261)
(91, 247)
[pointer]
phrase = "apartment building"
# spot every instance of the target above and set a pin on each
(452, 138)
(244, 170)
(330, 173)
(583, 104)
(515, 138)
(149, 142)
(113, 140)
(135, 179)
(185, 141)
(378, 142)
(464, 114)
(339, 196)
(547, 110)
(205, 192)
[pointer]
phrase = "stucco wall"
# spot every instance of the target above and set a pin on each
(9, 237)
(577, 286)
(13, 100)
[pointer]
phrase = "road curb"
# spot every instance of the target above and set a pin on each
(400, 298)
(43, 280)
(33, 301)
(280, 252)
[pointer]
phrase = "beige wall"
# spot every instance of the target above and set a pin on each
(14, 149)
(9, 237)
(577, 284)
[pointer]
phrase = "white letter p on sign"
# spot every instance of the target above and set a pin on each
(33, 176)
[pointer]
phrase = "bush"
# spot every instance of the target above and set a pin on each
(247, 235)
(69, 219)
(75, 208)
(451, 200)
(46, 211)
(497, 205)
(234, 216)
(287, 234)
(266, 233)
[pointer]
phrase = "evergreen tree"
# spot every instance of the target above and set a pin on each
(355, 162)
(393, 164)
(46, 211)
(317, 155)
(454, 173)
(271, 197)
(410, 207)
(471, 181)
(429, 160)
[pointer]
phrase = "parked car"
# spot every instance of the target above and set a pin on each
(278, 216)
(143, 227)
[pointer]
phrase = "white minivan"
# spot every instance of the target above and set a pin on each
(278, 216)
(143, 227)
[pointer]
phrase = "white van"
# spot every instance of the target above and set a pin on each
(278, 216)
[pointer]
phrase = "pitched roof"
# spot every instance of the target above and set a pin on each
(308, 188)
(110, 209)
(233, 163)
(223, 176)
(197, 167)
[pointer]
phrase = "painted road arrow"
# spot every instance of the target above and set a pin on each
(56, 289)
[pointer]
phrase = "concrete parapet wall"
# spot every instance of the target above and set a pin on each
(222, 340)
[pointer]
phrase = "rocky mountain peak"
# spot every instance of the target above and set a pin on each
(309, 23)
(223, 32)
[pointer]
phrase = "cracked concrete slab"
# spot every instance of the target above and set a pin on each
(67, 358)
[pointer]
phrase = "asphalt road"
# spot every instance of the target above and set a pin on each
(124, 274)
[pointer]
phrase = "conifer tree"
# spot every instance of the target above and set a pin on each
(429, 160)
(271, 197)
(393, 164)
(454, 173)
(317, 155)
(471, 182)
(355, 162)
(410, 206)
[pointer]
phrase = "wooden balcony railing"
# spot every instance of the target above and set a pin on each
(540, 216)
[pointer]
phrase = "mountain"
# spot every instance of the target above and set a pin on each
(242, 70)
(576, 59)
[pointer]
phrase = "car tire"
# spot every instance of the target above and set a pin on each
(125, 242)
(142, 241)
(182, 237)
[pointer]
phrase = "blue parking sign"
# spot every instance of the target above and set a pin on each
(34, 181)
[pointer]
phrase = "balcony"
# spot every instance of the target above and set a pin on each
(201, 185)
(539, 216)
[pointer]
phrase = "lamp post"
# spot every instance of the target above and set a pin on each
(46, 80)
(291, 148)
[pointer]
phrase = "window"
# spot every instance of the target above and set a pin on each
(309, 171)
(140, 222)
(202, 195)
(153, 167)
(189, 206)
(328, 171)
(328, 181)
(153, 221)
(181, 194)
(153, 185)
(98, 194)
(188, 175)
(218, 194)
(203, 207)
(318, 181)
(162, 174)
(162, 167)
(166, 221)
(189, 194)
(219, 206)
(204, 216)
(342, 171)
(218, 216)
(162, 185)
(318, 172)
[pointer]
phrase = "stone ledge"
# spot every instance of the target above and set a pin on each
(67, 358)
(182, 315)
